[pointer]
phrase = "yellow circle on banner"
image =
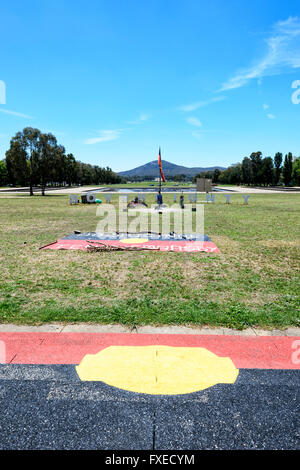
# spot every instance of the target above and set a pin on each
(134, 240)
(157, 370)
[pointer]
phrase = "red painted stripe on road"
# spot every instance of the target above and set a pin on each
(262, 352)
(162, 245)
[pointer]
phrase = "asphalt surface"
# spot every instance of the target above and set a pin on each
(48, 407)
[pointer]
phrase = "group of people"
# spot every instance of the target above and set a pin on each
(136, 202)
(159, 199)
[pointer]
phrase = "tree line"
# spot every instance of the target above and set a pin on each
(258, 171)
(141, 178)
(36, 159)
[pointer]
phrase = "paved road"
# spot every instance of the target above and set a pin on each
(83, 189)
(48, 407)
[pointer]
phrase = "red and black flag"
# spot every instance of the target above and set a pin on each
(160, 167)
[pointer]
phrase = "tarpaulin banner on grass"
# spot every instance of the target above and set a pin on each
(146, 241)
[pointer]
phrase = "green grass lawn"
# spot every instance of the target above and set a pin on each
(253, 282)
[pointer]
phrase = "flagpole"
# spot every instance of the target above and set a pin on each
(159, 173)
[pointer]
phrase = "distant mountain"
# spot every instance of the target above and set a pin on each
(169, 169)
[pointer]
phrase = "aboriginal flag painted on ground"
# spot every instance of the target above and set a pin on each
(63, 390)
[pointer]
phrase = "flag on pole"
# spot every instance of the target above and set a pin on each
(160, 167)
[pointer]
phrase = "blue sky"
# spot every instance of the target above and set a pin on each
(209, 82)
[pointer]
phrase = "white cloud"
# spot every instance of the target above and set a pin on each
(271, 116)
(197, 134)
(14, 113)
(141, 118)
(266, 106)
(283, 53)
(104, 136)
(193, 121)
(144, 117)
(201, 104)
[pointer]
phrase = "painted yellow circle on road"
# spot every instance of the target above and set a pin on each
(134, 240)
(157, 370)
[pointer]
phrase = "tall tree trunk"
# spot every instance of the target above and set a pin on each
(30, 175)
